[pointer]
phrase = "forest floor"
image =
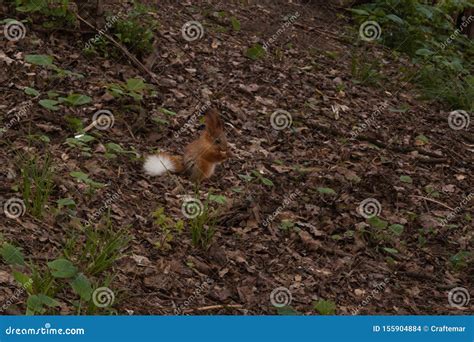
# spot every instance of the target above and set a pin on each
(287, 205)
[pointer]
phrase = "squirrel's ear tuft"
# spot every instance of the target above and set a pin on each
(213, 122)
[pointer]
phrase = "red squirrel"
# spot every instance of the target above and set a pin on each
(200, 156)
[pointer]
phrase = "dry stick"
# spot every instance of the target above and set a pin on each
(212, 307)
(434, 201)
(122, 48)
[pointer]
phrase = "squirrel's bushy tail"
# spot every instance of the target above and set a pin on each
(162, 163)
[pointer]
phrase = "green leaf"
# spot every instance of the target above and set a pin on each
(24, 280)
(135, 84)
(113, 147)
(377, 222)
(48, 301)
(325, 307)
(49, 104)
(39, 59)
(167, 112)
(235, 24)
(44, 138)
(421, 139)
(424, 52)
(62, 268)
(287, 311)
(460, 259)
(397, 229)
(79, 175)
(35, 303)
(255, 52)
(66, 202)
(266, 181)
(76, 99)
(406, 179)
(31, 91)
(12, 255)
(218, 199)
(246, 178)
(390, 250)
(359, 11)
(82, 286)
(395, 19)
(326, 191)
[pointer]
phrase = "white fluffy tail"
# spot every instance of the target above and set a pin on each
(159, 164)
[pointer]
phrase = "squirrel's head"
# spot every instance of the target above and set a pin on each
(215, 132)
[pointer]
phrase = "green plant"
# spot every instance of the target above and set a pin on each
(81, 142)
(325, 307)
(427, 33)
(42, 284)
(113, 149)
(71, 278)
(203, 225)
(84, 178)
(366, 73)
(37, 183)
(135, 31)
(46, 61)
(133, 87)
(262, 179)
(168, 229)
(255, 52)
(57, 11)
(287, 225)
(461, 259)
(96, 247)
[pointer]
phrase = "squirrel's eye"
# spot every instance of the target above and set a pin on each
(218, 141)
